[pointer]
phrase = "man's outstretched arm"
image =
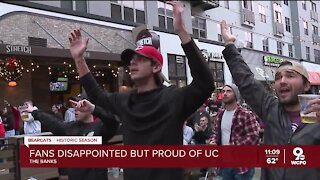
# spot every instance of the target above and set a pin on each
(78, 45)
(202, 85)
(251, 90)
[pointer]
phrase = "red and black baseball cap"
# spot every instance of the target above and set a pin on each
(149, 52)
(146, 51)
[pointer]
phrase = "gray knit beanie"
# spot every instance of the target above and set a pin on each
(235, 90)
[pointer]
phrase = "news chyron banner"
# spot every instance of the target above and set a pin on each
(87, 152)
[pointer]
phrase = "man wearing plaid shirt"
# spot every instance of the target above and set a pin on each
(235, 125)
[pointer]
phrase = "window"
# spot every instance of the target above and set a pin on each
(165, 13)
(132, 11)
(177, 70)
(262, 13)
(317, 56)
(278, 17)
(216, 69)
(290, 49)
(279, 47)
(248, 38)
(315, 30)
(247, 4)
(265, 45)
(286, 2)
(80, 6)
(199, 27)
(288, 27)
(308, 53)
(313, 6)
(75, 5)
(305, 27)
(226, 4)
(304, 5)
(219, 33)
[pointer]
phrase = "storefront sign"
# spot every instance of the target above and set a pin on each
(271, 61)
(145, 41)
(17, 48)
(147, 38)
(211, 56)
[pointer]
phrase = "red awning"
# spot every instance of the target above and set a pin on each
(314, 78)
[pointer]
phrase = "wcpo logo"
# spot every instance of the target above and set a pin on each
(300, 158)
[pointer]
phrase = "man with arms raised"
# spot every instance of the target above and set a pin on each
(282, 114)
(152, 114)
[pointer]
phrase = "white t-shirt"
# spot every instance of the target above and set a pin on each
(226, 124)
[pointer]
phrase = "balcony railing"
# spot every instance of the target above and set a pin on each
(278, 29)
(205, 4)
(315, 38)
(314, 15)
(247, 17)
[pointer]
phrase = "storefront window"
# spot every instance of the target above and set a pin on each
(177, 70)
(216, 69)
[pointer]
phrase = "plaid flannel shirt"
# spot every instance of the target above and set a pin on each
(244, 130)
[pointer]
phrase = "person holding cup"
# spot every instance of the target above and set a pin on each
(280, 114)
(309, 108)
(30, 125)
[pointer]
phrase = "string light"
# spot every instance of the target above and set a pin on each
(12, 69)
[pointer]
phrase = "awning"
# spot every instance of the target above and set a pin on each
(262, 73)
(314, 77)
(8, 49)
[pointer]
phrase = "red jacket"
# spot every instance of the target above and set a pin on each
(17, 118)
(2, 131)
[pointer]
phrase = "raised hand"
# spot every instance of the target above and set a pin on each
(178, 22)
(29, 108)
(226, 35)
(83, 105)
(78, 44)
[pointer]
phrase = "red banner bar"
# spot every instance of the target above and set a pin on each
(193, 156)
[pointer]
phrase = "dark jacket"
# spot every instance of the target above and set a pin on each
(156, 117)
(200, 137)
(8, 119)
(106, 128)
(277, 124)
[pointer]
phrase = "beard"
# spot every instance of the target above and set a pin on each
(228, 100)
(292, 99)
